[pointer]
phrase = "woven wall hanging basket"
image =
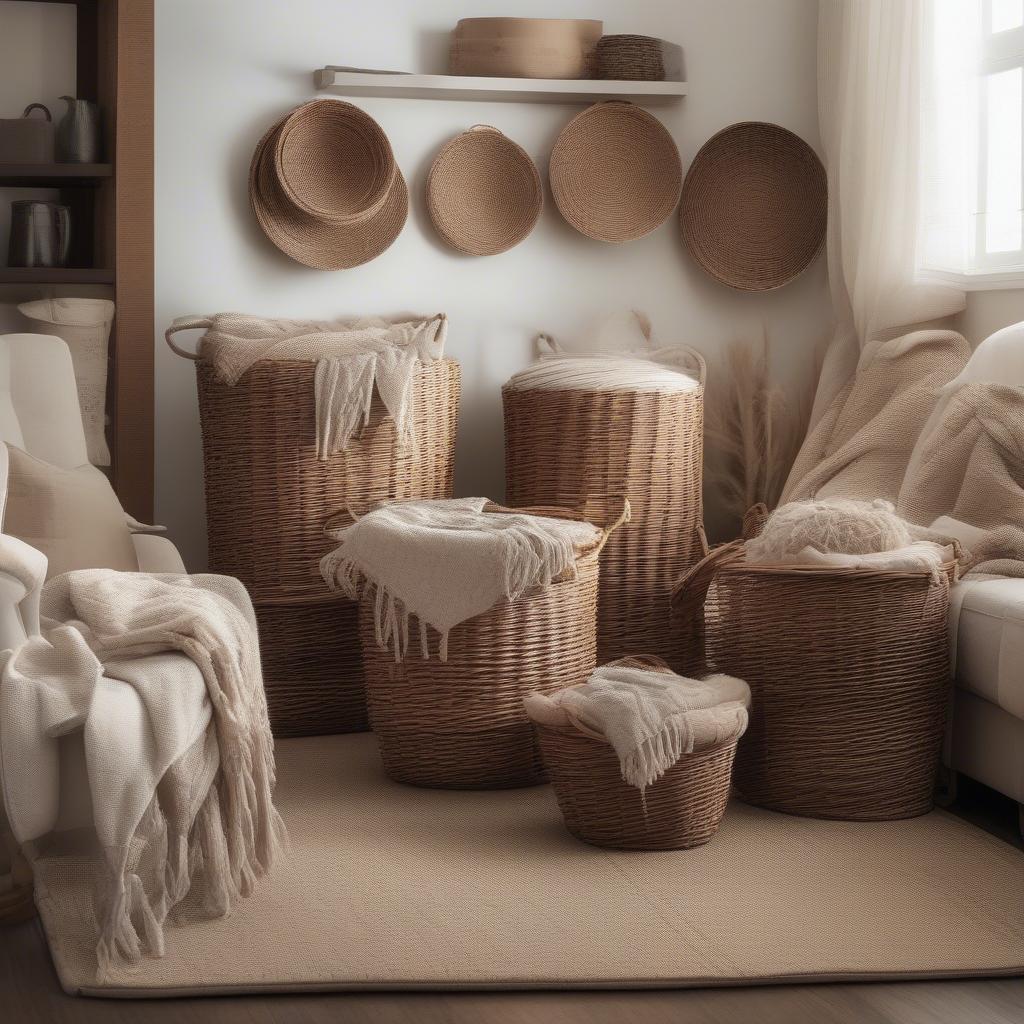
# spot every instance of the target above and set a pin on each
(615, 172)
(460, 723)
(755, 206)
(327, 221)
(268, 497)
(557, 48)
(563, 445)
(681, 810)
(849, 676)
(483, 192)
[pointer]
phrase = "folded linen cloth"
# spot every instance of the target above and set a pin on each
(445, 561)
(650, 717)
(351, 356)
(160, 676)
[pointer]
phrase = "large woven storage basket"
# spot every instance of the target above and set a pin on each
(268, 498)
(460, 723)
(681, 810)
(849, 676)
(562, 445)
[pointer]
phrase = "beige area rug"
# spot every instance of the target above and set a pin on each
(394, 887)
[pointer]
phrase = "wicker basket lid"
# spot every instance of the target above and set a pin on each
(615, 172)
(333, 161)
(309, 240)
(755, 206)
(483, 192)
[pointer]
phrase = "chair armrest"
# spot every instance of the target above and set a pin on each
(157, 554)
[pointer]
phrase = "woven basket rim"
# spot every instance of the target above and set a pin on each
(740, 564)
(572, 731)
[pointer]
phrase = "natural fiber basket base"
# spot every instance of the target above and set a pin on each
(393, 887)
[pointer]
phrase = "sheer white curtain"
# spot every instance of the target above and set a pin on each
(871, 69)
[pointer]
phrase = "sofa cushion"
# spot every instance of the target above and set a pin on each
(990, 640)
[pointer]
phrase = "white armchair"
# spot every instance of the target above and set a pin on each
(39, 412)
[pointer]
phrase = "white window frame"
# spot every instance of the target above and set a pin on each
(1000, 51)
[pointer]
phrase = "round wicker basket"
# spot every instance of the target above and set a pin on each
(267, 499)
(483, 192)
(460, 723)
(630, 58)
(849, 675)
(681, 810)
(563, 445)
(557, 48)
(333, 161)
(313, 241)
(615, 172)
(755, 206)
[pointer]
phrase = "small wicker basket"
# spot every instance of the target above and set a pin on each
(849, 674)
(681, 810)
(460, 723)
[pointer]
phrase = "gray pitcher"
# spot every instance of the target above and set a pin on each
(40, 234)
(78, 133)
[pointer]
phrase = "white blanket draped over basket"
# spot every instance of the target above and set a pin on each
(352, 358)
(444, 561)
(160, 676)
(650, 717)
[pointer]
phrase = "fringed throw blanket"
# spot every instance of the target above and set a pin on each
(352, 358)
(446, 561)
(650, 717)
(160, 675)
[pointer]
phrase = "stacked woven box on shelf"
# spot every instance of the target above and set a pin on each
(515, 610)
(582, 427)
(301, 419)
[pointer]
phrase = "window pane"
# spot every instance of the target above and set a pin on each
(1007, 14)
(1003, 179)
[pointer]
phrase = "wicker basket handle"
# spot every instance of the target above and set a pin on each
(754, 519)
(607, 528)
(689, 594)
(186, 323)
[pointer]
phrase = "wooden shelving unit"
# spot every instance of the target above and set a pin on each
(518, 90)
(112, 223)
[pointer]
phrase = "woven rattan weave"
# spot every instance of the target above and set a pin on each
(483, 192)
(460, 723)
(615, 172)
(849, 675)
(268, 498)
(755, 205)
(634, 58)
(561, 446)
(681, 810)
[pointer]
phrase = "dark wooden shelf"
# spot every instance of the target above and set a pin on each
(52, 175)
(55, 275)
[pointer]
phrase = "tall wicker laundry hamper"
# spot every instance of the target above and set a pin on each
(268, 497)
(460, 723)
(849, 675)
(646, 442)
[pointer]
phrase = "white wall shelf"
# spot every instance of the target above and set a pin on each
(521, 90)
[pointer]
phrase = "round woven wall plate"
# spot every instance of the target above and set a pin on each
(483, 192)
(615, 172)
(333, 161)
(755, 206)
(310, 241)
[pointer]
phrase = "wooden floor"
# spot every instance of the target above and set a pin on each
(30, 994)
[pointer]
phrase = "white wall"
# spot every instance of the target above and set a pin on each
(988, 312)
(225, 70)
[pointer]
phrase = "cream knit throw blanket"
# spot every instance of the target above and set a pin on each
(651, 718)
(445, 561)
(352, 358)
(160, 675)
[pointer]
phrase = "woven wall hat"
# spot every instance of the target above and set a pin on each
(615, 172)
(338, 242)
(755, 206)
(483, 192)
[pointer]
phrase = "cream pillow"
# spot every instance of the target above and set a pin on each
(71, 515)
